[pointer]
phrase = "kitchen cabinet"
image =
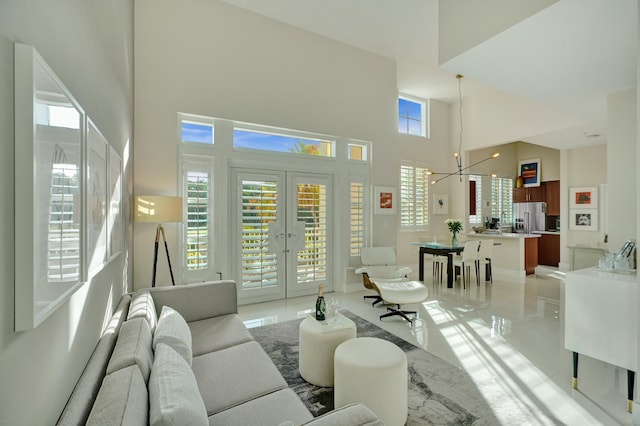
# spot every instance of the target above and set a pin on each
(549, 250)
(552, 195)
(530, 255)
(530, 194)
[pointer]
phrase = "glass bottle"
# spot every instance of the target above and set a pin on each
(321, 305)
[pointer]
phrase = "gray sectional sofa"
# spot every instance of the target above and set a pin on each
(181, 355)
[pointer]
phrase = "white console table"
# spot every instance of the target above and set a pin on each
(601, 320)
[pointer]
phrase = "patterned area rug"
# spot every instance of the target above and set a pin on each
(439, 393)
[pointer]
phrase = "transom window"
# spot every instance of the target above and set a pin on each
(196, 132)
(412, 116)
(251, 139)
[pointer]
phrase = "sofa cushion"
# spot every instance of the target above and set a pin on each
(173, 330)
(134, 347)
(213, 334)
(122, 399)
(270, 409)
(173, 391)
(235, 375)
(84, 394)
(142, 306)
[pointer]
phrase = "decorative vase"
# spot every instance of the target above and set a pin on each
(454, 240)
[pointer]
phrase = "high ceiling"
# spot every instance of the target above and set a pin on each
(568, 57)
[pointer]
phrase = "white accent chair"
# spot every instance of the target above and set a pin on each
(468, 257)
(484, 259)
(379, 273)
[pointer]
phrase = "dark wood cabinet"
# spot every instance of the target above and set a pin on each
(530, 255)
(552, 195)
(549, 250)
(530, 194)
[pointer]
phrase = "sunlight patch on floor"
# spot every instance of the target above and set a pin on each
(488, 358)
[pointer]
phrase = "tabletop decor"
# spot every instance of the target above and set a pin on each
(454, 226)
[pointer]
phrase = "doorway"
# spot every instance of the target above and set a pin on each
(282, 233)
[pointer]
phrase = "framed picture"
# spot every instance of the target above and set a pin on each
(50, 262)
(529, 170)
(385, 200)
(583, 219)
(583, 198)
(440, 204)
(114, 215)
(97, 151)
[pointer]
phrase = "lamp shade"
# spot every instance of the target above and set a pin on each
(158, 209)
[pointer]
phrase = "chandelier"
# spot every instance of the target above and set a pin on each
(461, 171)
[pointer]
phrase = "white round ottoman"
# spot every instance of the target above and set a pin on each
(373, 371)
(318, 342)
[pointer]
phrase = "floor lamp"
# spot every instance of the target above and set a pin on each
(159, 210)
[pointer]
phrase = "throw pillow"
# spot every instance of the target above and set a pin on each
(172, 330)
(174, 397)
(133, 347)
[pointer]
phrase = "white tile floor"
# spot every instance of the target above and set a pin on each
(501, 332)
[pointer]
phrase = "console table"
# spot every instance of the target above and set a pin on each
(601, 320)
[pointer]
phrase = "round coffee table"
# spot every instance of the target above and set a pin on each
(318, 342)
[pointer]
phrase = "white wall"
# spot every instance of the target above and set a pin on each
(89, 46)
(587, 166)
(216, 60)
(622, 167)
(465, 24)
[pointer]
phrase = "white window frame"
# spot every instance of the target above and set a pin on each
(410, 202)
(200, 164)
(502, 206)
(477, 218)
(424, 114)
(222, 156)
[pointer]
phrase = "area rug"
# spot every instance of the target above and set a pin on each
(439, 393)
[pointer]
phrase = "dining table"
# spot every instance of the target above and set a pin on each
(438, 249)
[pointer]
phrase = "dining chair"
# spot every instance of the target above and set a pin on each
(468, 257)
(439, 261)
(484, 259)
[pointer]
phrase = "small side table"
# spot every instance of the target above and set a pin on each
(318, 342)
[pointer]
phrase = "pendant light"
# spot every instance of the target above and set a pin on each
(457, 155)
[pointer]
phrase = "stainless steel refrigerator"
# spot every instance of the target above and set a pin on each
(529, 217)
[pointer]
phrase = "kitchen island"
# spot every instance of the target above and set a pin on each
(515, 257)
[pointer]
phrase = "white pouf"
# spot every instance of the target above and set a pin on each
(373, 371)
(318, 342)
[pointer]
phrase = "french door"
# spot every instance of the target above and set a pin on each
(282, 234)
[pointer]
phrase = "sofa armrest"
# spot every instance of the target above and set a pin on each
(198, 301)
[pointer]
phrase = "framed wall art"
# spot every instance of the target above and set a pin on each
(385, 200)
(529, 170)
(440, 204)
(583, 219)
(114, 215)
(97, 150)
(49, 194)
(583, 198)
